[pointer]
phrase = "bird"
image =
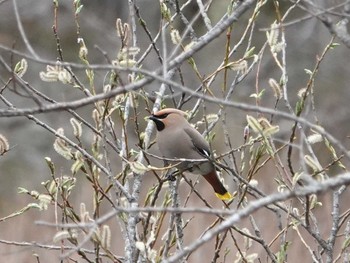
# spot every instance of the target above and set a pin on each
(177, 139)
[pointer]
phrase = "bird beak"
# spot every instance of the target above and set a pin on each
(152, 117)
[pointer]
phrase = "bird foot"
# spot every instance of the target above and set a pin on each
(171, 176)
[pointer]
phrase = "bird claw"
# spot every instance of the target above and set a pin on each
(171, 176)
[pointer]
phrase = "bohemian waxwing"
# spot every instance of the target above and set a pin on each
(176, 138)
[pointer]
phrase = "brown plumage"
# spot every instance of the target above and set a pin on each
(176, 138)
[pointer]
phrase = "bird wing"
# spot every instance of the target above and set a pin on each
(202, 147)
(199, 143)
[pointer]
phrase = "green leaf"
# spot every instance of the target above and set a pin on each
(50, 164)
(138, 168)
(22, 190)
(79, 8)
(249, 53)
(299, 107)
(282, 254)
(308, 71)
(334, 45)
(61, 235)
(271, 130)
(254, 124)
(77, 129)
(258, 95)
(76, 166)
(346, 243)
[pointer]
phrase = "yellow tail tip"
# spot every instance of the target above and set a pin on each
(225, 197)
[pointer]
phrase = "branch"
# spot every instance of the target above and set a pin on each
(253, 206)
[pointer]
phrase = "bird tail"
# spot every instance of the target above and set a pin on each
(220, 190)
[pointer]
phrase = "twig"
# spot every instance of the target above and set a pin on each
(255, 205)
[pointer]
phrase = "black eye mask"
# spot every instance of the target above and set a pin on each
(163, 116)
(157, 120)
